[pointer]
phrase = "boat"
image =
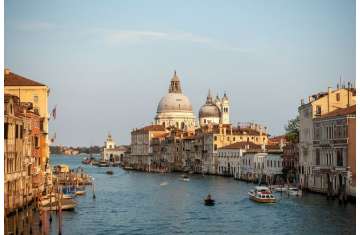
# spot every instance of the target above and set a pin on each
(262, 194)
(109, 172)
(128, 168)
(86, 161)
(80, 192)
(103, 164)
(208, 201)
(67, 196)
(45, 200)
(280, 189)
(66, 205)
(185, 178)
(294, 191)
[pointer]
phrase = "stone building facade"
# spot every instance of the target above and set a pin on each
(318, 105)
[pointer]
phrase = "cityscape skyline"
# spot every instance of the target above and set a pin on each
(116, 68)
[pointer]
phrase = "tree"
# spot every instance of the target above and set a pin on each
(292, 129)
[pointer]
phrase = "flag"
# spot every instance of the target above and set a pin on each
(53, 113)
(53, 138)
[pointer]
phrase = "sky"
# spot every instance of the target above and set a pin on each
(108, 63)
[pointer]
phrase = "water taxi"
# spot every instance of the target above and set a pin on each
(294, 192)
(185, 178)
(262, 194)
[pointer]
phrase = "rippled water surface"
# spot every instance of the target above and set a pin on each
(143, 203)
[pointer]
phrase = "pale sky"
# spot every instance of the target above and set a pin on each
(108, 63)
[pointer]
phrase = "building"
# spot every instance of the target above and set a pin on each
(112, 152)
(176, 143)
(291, 161)
(23, 178)
(334, 146)
(214, 111)
(31, 91)
(230, 157)
(318, 105)
(141, 151)
(175, 109)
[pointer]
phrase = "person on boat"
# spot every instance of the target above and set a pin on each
(208, 198)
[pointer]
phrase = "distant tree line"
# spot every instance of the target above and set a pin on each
(92, 149)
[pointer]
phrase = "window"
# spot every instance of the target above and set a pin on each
(215, 138)
(16, 131)
(234, 139)
(36, 98)
(21, 132)
(228, 138)
(36, 142)
(6, 126)
(338, 97)
(318, 110)
(317, 157)
(339, 157)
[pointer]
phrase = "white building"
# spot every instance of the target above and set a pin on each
(248, 161)
(175, 109)
(215, 111)
(112, 152)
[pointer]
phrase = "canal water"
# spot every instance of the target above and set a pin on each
(130, 202)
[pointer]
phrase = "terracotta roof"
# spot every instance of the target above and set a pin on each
(273, 146)
(150, 128)
(248, 131)
(340, 112)
(242, 145)
(12, 79)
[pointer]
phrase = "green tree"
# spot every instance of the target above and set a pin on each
(292, 129)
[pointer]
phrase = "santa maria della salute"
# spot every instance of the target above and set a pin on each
(175, 109)
(178, 141)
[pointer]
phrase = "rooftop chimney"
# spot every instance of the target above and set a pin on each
(7, 71)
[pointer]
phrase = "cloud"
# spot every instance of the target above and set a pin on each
(116, 37)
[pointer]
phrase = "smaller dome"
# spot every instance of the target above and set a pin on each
(209, 110)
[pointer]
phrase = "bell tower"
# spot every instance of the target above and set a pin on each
(225, 113)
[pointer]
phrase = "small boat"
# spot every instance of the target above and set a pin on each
(80, 192)
(208, 201)
(45, 200)
(66, 205)
(109, 172)
(103, 164)
(128, 168)
(67, 196)
(294, 192)
(262, 194)
(86, 161)
(185, 178)
(163, 183)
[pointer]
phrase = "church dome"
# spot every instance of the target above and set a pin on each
(209, 110)
(174, 102)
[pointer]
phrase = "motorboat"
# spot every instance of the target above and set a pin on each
(103, 164)
(185, 178)
(109, 172)
(294, 192)
(262, 194)
(86, 161)
(279, 188)
(208, 201)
